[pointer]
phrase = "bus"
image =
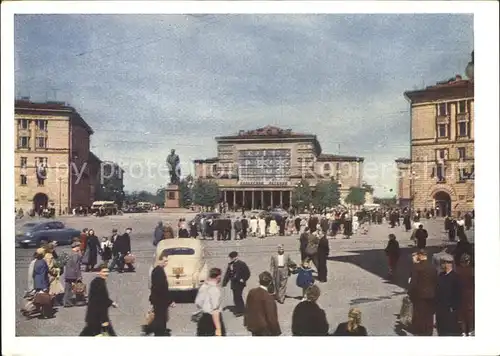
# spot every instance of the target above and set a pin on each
(145, 205)
(109, 207)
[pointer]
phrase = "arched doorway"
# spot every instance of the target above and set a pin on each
(40, 201)
(443, 202)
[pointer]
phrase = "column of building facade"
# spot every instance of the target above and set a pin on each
(272, 202)
(262, 199)
(234, 198)
(281, 198)
(225, 196)
(253, 199)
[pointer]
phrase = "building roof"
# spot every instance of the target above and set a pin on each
(403, 160)
(94, 158)
(338, 158)
(207, 160)
(271, 133)
(454, 88)
(24, 106)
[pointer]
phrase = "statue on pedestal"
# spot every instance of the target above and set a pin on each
(174, 167)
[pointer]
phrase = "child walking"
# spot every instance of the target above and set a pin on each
(305, 277)
(106, 246)
(392, 252)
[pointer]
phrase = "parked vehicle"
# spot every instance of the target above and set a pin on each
(145, 205)
(32, 233)
(280, 211)
(205, 215)
(187, 268)
(109, 207)
(134, 209)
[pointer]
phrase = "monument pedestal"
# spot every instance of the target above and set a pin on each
(172, 197)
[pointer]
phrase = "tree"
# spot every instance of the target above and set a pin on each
(206, 193)
(327, 194)
(302, 195)
(356, 196)
(185, 198)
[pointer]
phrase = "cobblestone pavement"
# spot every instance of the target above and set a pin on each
(356, 276)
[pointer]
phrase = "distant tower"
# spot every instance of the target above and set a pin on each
(469, 70)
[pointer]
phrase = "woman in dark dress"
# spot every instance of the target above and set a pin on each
(407, 222)
(94, 248)
(463, 247)
(308, 319)
(465, 272)
(323, 253)
(353, 325)
(159, 299)
(98, 304)
(452, 232)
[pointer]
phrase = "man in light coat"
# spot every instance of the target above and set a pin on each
(281, 264)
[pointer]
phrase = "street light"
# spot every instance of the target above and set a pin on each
(60, 195)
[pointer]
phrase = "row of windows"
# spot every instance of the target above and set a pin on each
(463, 129)
(38, 160)
(24, 180)
(443, 153)
(40, 124)
(464, 174)
(24, 142)
(444, 109)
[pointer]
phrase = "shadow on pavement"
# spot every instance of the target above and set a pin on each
(375, 262)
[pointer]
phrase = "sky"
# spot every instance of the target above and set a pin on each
(150, 83)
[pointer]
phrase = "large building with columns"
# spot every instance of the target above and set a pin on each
(260, 168)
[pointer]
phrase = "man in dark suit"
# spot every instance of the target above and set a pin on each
(422, 291)
(237, 228)
(244, 227)
(237, 273)
(303, 240)
(421, 236)
(448, 298)
(261, 313)
(122, 248)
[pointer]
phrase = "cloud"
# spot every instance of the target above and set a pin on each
(186, 79)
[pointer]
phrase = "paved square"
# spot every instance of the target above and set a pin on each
(356, 271)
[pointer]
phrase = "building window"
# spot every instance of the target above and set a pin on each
(41, 142)
(327, 167)
(443, 130)
(461, 152)
(24, 162)
(24, 179)
(214, 169)
(442, 109)
(440, 173)
(171, 196)
(23, 124)
(24, 142)
(462, 107)
(441, 154)
(462, 129)
(41, 125)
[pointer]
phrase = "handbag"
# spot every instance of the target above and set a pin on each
(406, 313)
(129, 259)
(79, 288)
(196, 316)
(150, 315)
(86, 257)
(42, 298)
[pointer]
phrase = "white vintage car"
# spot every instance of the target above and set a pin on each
(187, 268)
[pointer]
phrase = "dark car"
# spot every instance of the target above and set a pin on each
(134, 209)
(32, 233)
(199, 216)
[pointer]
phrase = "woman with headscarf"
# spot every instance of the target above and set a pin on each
(55, 287)
(353, 325)
(262, 227)
(93, 249)
(308, 319)
(168, 232)
(159, 299)
(41, 284)
(273, 227)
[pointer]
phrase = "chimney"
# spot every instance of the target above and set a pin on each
(458, 77)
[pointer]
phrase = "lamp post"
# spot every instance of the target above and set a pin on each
(60, 196)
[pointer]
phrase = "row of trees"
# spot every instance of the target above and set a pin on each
(326, 194)
(207, 194)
